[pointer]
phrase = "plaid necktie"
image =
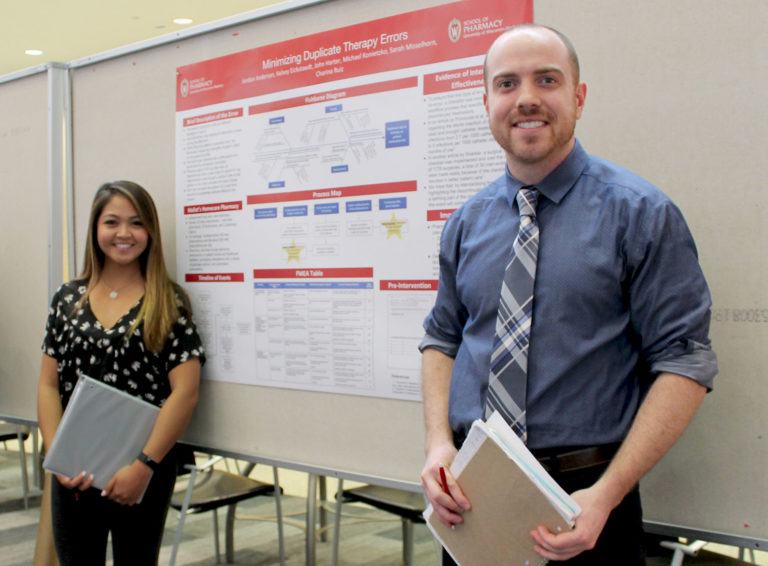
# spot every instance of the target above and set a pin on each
(509, 358)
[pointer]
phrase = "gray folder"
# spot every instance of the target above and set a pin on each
(102, 430)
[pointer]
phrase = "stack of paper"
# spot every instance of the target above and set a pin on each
(511, 495)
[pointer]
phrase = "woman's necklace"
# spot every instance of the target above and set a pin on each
(114, 293)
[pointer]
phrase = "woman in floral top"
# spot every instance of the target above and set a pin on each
(125, 322)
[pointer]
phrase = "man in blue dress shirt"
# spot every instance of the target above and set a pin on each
(619, 358)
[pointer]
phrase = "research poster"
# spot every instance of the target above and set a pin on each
(313, 179)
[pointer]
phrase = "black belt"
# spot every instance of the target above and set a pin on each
(558, 460)
(576, 459)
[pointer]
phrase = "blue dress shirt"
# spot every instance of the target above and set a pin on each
(619, 297)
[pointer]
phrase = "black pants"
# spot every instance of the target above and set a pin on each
(82, 521)
(621, 541)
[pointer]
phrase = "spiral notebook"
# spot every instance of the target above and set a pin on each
(102, 430)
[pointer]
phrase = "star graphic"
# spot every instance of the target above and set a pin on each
(393, 226)
(293, 251)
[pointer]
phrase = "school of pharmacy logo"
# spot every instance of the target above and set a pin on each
(454, 30)
(184, 88)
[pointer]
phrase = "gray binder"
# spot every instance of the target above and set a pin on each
(102, 430)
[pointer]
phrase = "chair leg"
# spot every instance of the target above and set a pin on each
(311, 524)
(229, 529)
(37, 462)
(216, 535)
(682, 550)
(279, 512)
(229, 548)
(337, 524)
(229, 534)
(407, 542)
(24, 476)
(742, 556)
(182, 516)
(322, 488)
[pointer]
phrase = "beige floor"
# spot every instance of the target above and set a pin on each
(368, 536)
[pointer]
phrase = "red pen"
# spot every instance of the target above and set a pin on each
(444, 484)
(443, 480)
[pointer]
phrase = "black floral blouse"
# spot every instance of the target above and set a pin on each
(82, 346)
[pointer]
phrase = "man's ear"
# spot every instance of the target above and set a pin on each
(581, 97)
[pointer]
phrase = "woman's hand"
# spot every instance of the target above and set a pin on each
(81, 481)
(128, 484)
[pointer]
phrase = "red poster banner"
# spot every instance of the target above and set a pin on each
(458, 79)
(362, 90)
(442, 33)
(214, 277)
(408, 285)
(314, 272)
(439, 215)
(335, 192)
(214, 207)
(214, 117)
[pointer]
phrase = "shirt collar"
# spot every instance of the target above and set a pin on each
(557, 184)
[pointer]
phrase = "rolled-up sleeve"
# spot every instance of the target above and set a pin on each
(447, 348)
(445, 322)
(670, 302)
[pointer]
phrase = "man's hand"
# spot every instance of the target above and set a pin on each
(128, 484)
(666, 411)
(448, 507)
(589, 525)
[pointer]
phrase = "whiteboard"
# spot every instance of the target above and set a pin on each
(675, 94)
(24, 248)
(123, 127)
